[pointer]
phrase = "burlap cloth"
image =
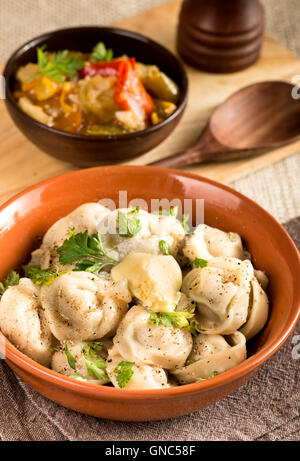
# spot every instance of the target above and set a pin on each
(267, 406)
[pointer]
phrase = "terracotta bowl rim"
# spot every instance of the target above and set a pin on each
(107, 393)
(35, 41)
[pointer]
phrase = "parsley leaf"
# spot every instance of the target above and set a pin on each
(178, 319)
(165, 247)
(92, 348)
(96, 369)
(58, 66)
(101, 53)
(173, 212)
(70, 358)
(124, 373)
(81, 246)
(78, 376)
(199, 262)
(42, 276)
(12, 279)
(53, 349)
(194, 328)
(212, 375)
(184, 222)
(129, 225)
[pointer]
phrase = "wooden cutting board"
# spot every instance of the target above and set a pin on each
(22, 164)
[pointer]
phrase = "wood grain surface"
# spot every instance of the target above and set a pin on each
(22, 164)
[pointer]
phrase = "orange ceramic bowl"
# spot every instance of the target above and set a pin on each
(25, 218)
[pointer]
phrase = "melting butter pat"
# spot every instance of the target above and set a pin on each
(153, 279)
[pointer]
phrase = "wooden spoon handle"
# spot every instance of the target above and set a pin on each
(184, 158)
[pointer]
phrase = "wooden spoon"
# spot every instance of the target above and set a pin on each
(255, 119)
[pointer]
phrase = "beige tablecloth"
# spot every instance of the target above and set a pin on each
(265, 408)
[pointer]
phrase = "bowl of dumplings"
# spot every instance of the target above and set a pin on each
(122, 311)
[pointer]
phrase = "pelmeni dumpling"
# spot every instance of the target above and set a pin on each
(151, 229)
(155, 280)
(262, 278)
(144, 376)
(23, 321)
(168, 229)
(222, 292)
(118, 240)
(258, 311)
(85, 217)
(212, 354)
(81, 305)
(78, 350)
(207, 242)
(142, 342)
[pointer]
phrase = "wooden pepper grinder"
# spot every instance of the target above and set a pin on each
(220, 35)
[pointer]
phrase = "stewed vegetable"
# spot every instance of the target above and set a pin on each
(94, 94)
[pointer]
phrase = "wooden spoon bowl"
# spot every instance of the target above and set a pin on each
(255, 119)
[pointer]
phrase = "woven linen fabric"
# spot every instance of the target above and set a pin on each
(267, 406)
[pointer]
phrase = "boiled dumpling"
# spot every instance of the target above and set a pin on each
(60, 363)
(155, 280)
(258, 311)
(144, 376)
(85, 217)
(208, 242)
(142, 342)
(145, 237)
(212, 354)
(23, 321)
(168, 229)
(228, 297)
(221, 291)
(118, 240)
(80, 305)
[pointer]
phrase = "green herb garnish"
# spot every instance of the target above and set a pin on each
(194, 327)
(11, 280)
(96, 369)
(70, 358)
(58, 65)
(71, 231)
(101, 53)
(181, 319)
(78, 376)
(42, 276)
(173, 212)
(199, 262)
(190, 362)
(92, 348)
(165, 247)
(212, 375)
(124, 372)
(172, 319)
(129, 225)
(53, 349)
(88, 250)
(184, 222)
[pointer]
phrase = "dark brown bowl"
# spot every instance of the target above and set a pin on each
(85, 150)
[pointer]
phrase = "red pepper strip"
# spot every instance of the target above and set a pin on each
(130, 93)
(103, 68)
